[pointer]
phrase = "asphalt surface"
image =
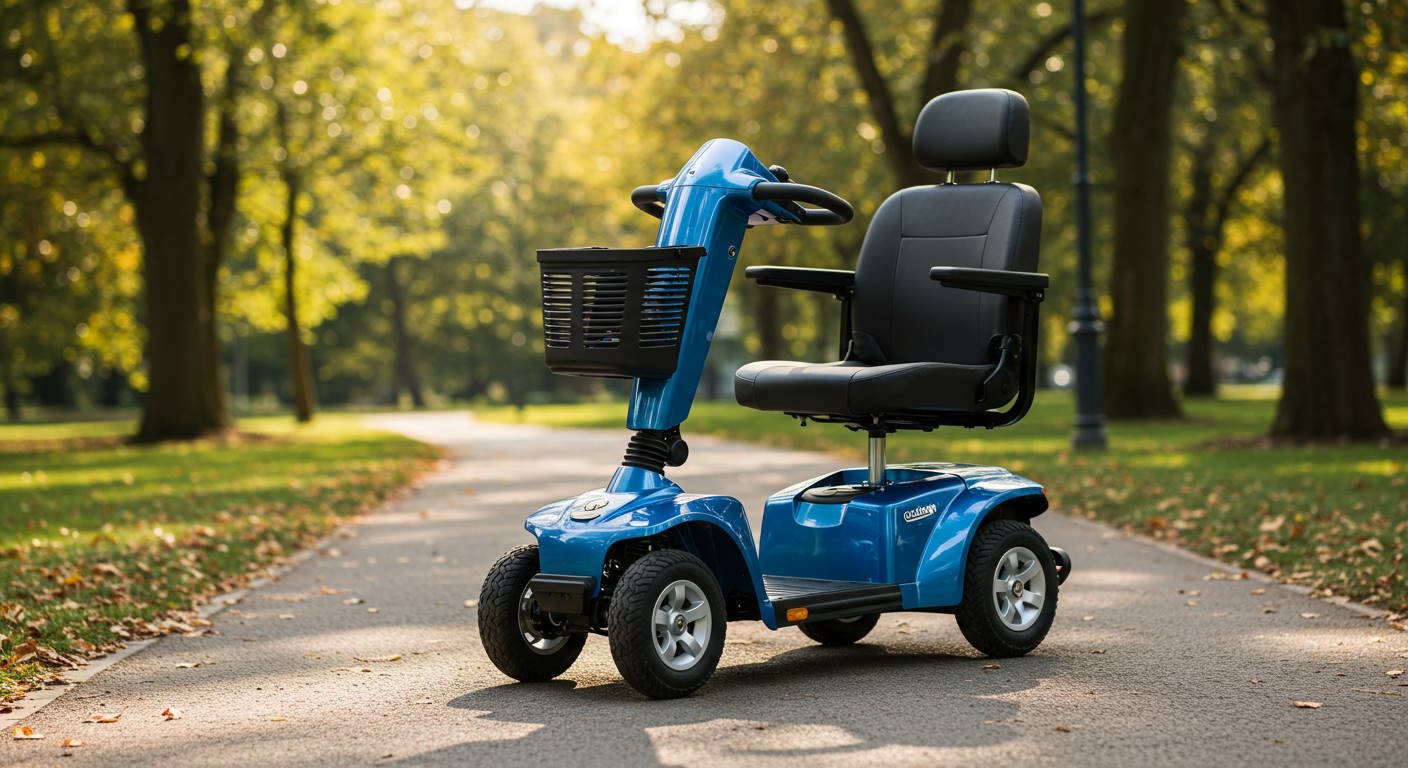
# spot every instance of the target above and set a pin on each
(1149, 661)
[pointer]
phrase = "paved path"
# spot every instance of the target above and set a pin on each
(1148, 662)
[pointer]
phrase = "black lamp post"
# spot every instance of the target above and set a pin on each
(1090, 420)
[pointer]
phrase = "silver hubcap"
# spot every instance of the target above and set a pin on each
(1018, 588)
(682, 623)
(545, 646)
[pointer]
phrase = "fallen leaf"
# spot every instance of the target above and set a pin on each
(325, 590)
(471, 603)
(992, 666)
(25, 733)
(1191, 603)
(277, 719)
(102, 717)
(1394, 673)
(1310, 615)
(1259, 591)
(285, 616)
(1087, 618)
(188, 665)
(71, 743)
(1307, 704)
(1097, 650)
(1062, 729)
(352, 601)
(378, 659)
(373, 610)
(171, 713)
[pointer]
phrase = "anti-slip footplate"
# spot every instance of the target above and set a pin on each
(826, 599)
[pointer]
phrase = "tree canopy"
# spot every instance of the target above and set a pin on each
(191, 192)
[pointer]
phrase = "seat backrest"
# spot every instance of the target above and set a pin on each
(901, 316)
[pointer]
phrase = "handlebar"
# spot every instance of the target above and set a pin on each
(647, 198)
(834, 210)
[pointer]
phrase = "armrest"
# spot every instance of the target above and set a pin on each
(838, 282)
(1030, 286)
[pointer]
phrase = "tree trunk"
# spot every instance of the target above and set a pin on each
(948, 42)
(405, 377)
(767, 316)
(1136, 357)
(224, 184)
(1202, 274)
(1329, 386)
(167, 201)
(12, 392)
(304, 397)
(1398, 355)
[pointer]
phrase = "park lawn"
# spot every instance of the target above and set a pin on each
(1332, 517)
(103, 542)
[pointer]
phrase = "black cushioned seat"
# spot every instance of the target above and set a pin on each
(917, 345)
(854, 388)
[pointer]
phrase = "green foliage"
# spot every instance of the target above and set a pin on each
(457, 140)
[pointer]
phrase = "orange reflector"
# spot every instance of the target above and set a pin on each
(796, 614)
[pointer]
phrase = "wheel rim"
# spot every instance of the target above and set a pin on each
(1018, 588)
(682, 623)
(528, 615)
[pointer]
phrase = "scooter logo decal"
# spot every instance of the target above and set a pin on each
(919, 513)
(594, 505)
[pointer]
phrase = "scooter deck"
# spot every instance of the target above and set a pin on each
(796, 600)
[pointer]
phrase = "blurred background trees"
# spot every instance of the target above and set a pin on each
(242, 204)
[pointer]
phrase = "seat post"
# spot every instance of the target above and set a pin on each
(877, 460)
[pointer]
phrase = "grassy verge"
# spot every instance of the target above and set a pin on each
(1333, 517)
(102, 542)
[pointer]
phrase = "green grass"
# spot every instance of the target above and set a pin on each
(102, 541)
(1334, 517)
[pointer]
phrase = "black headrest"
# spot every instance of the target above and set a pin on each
(973, 130)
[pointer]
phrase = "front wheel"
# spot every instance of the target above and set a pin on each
(523, 641)
(666, 624)
(1009, 589)
(847, 631)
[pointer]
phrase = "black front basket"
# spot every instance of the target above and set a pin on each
(616, 312)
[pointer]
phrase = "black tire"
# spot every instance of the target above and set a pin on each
(499, 630)
(631, 630)
(978, 615)
(840, 631)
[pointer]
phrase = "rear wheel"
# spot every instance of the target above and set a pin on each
(845, 631)
(1009, 589)
(523, 641)
(666, 624)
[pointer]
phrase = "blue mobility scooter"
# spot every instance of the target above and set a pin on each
(938, 328)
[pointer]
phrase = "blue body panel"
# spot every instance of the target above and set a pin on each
(915, 532)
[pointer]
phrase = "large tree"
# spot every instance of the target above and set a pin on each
(1329, 387)
(1136, 381)
(149, 128)
(948, 41)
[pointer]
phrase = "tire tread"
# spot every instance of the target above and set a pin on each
(976, 618)
(498, 621)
